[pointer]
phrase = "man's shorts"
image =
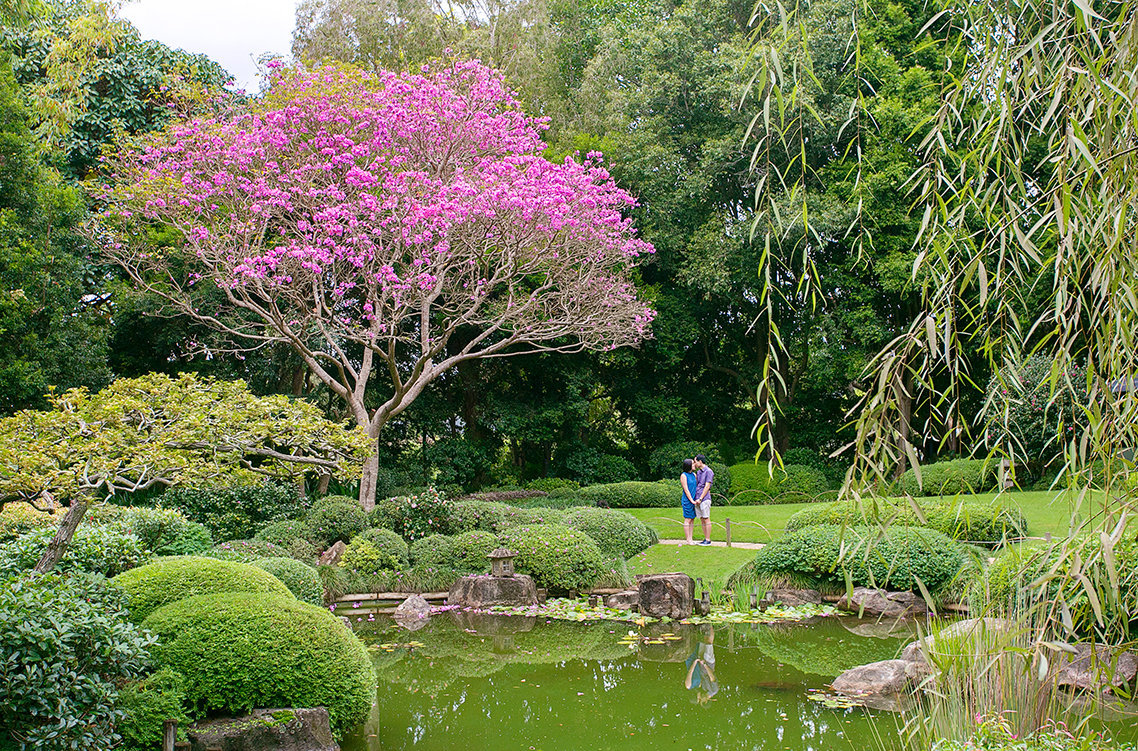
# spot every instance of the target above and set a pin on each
(703, 510)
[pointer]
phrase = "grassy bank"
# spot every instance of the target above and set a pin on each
(713, 565)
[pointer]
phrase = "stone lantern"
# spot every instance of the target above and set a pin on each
(502, 562)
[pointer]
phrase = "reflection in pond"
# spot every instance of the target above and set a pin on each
(484, 682)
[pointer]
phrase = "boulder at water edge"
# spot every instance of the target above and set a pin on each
(983, 633)
(413, 607)
(332, 555)
(884, 678)
(266, 730)
(878, 602)
(667, 596)
(1096, 668)
(481, 591)
(627, 600)
(791, 598)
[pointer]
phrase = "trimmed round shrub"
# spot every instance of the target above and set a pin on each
(240, 651)
(519, 516)
(301, 579)
(616, 533)
(755, 484)
(415, 516)
(472, 515)
(333, 521)
(237, 512)
(387, 542)
(952, 477)
(365, 558)
(663, 494)
(147, 704)
(291, 535)
(150, 587)
(549, 484)
(985, 523)
(245, 551)
(557, 557)
(94, 548)
(66, 645)
(468, 552)
(894, 558)
(431, 551)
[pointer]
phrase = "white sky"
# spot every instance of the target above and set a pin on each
(232, 32)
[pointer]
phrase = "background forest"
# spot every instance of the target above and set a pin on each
(661, 89)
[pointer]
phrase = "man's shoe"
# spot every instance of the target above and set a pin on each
(705, 542)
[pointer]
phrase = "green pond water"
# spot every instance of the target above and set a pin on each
(485, 682)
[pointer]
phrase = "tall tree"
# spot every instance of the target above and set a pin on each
(369, 222)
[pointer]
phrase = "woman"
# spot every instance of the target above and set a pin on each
(687, 499)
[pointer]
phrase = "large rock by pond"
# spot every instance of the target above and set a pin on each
(414, 607)
(982, 632)
(667, 596)
(266, 730)
(627, 600)
(884, 678)
(332, 555)
(482, 591)
(879, 602)
(1096, 668)
(791, 598)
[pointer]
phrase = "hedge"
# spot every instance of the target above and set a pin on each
(557, 557)
(154, 585)
(290, 535)
(98, 549)
(616, 533)
(301, 579)
(756, 483)
(984, 523)
(236, 512)
(467, 516)
(662, 494)
(333, 520)
(147, 705)
(238, 652)
(388, 543)
(894, 558)
(952, 477)
(245, 551)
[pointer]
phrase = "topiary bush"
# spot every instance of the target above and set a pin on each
(548, 484)
(754, 484)
(241, 651)
(291, 535)
(365, 558)
(951, 477)
(983, 523)
(431, 551)
(94, 548)
(147, 704)
(616, 533)
(416, 516)
(301, 579)
(471, 515)
(245, 551)
(333, 521)
(66, 644)
(892, 559)
(468, 552)
(663, 494)
(387, 542)
(237, 512)
(150, 587)
(557, 557)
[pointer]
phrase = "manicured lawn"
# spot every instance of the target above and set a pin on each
(1045, 511)
(714, 565)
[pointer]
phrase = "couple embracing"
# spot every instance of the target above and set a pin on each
(695, 482)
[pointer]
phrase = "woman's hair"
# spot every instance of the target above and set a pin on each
(687, 465)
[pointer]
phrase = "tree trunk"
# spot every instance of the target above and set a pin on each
(369, 479)
(58, 545)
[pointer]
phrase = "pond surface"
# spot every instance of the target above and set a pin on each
(497, 682)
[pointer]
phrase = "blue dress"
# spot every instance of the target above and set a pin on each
(689, 509)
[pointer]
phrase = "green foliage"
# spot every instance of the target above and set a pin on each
(961, 519)
(147, 704)
(756, 483)
(557, 557)
(615, 575)
(894, 558)
(245, 551)
(468, 552)
(236, 512)
(432, 551)
(150, 587)
(416, 516)
(240, 651)
(335, 520)
(460, 461)
(191, 539)
(291, 535)
(666, 462)
(163, 531)
(67, 645)
(97, 549)
(616, 533)
(18, 518)
(548, 484)
(366, 558)
(589, 466)
(950, 477)
(661, 494)
(387, 542)
(301, 579)
(471, 515)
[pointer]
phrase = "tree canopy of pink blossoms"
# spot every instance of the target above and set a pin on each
(365, 219)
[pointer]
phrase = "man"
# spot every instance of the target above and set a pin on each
(704, 478)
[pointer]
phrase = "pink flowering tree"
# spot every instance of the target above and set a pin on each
(386, 227)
